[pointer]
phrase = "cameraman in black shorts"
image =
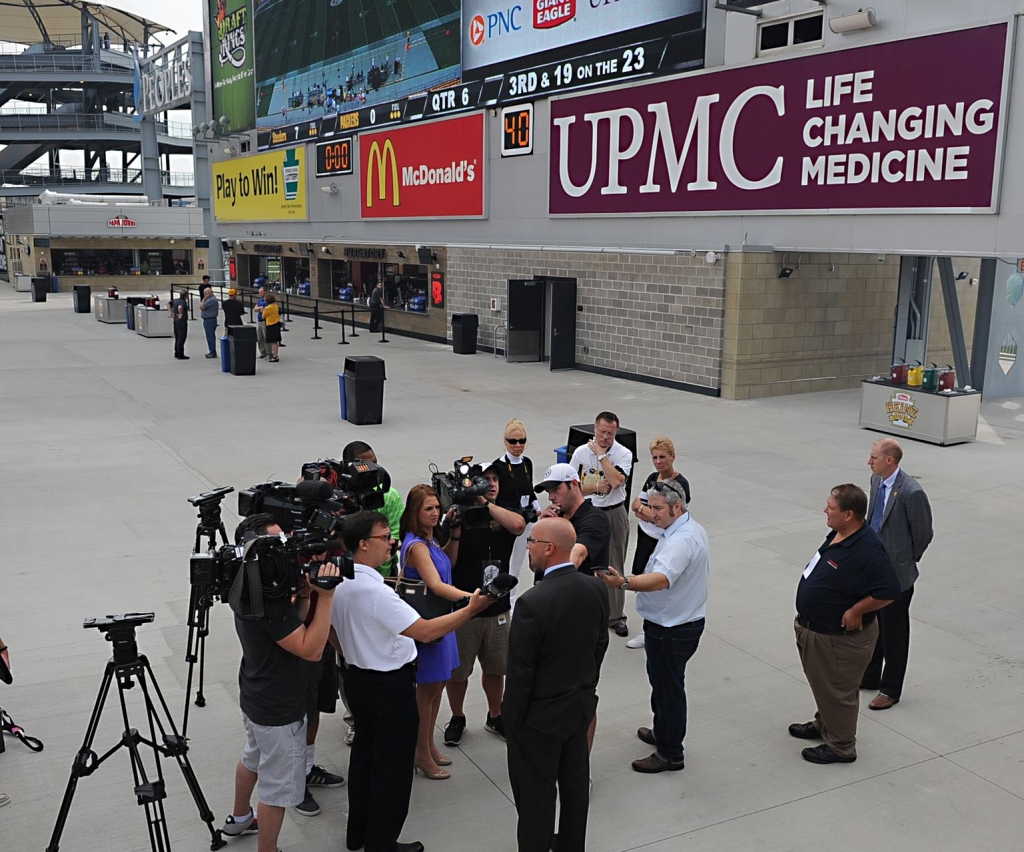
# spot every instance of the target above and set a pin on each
(272, 687)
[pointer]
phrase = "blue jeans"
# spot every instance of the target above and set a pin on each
(668, 651)
(210, 327)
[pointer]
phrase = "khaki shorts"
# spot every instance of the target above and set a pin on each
(486, 638)
(277, 754)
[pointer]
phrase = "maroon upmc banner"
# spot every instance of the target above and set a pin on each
(912, 124)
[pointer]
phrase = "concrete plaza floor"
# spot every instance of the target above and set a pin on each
(103, 436)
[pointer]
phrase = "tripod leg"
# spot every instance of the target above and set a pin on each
(85, 760)
(176, 746)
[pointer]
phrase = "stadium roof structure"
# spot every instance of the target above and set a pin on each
(29, 21)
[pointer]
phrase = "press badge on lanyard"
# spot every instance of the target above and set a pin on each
(492, 568)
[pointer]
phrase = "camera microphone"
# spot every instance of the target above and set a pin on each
(314, 492)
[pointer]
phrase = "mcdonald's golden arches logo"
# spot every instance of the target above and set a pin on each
(378, 158)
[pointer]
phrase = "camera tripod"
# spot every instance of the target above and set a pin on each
(201, 596)
(127, 667)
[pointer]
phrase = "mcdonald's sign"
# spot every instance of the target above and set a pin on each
(432, 170)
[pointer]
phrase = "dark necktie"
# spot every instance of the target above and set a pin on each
(878, 509)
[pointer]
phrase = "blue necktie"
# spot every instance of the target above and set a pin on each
(878, 509)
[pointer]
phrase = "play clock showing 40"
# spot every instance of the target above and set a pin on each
(517, 130)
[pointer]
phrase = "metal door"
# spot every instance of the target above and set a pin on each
(525, 319)
(562, 346)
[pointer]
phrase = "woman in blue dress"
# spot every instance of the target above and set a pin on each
(423, 558)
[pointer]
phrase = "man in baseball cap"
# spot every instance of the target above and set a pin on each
(593, 532)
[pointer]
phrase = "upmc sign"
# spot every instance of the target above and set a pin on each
(866, 128)
(433, 170)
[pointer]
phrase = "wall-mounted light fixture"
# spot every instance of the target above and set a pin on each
(325, 250)
(291, 250)
(860, 20)
(785, 272)
(401, 255)
(961, 275)
(330, 189)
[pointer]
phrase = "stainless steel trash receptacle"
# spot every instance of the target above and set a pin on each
(364, 390)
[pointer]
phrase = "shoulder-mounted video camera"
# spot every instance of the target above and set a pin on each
(460, 488)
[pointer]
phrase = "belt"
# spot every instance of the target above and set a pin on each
(609, 508)
(827, 631)
(674, 626)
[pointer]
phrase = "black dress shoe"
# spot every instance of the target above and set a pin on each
(824, 754)
(804, 731)
(656, 763)
(646, 735)
(415, 846)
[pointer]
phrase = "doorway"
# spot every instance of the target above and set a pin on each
(542, 321)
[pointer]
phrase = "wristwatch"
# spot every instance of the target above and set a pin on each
(625, 584)
(601, 458)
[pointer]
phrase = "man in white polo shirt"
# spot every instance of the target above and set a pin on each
(604, 465)
(377, 632)
(672, 596)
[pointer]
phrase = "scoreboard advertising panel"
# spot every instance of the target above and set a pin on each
(231, 60)
(433, 170)
(344, 66)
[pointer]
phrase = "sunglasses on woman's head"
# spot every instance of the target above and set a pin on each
(515, 440)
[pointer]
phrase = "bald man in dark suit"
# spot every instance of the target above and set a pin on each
(555, 649)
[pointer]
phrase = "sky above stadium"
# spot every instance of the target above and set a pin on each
(182, 17)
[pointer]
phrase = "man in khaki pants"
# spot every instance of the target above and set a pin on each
(847, 579)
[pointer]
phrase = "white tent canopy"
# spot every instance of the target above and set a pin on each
(20, 19)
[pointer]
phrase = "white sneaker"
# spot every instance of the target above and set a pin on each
(636, 642)
(350, 735)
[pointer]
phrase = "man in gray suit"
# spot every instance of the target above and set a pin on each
(902, 517)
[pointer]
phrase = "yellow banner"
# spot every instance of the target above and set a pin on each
(262, 188)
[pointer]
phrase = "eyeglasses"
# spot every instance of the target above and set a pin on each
(383, 537)
(669, 485)
(515, 441)
(537, 541)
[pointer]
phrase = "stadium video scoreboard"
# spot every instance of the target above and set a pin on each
(520, 55)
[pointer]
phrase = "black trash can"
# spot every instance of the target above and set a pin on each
(39, 288)
(364, 389)
(242, 350)
(82, 299)
(464, 329)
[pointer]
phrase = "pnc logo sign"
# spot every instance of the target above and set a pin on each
(477, 30)
(379, 157)
(502, 22)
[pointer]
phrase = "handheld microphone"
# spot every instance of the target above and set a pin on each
(500, 586)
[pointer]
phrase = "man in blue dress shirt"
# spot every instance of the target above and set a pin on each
(672, 596)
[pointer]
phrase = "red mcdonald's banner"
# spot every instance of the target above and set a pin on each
(432, 170)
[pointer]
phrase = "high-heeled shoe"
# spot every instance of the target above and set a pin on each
(443, 760)
(440, 775)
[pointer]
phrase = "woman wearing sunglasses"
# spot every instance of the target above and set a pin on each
(663, 456)
(515, 488)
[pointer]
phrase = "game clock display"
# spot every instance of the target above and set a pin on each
(517, 130)
(334, 157)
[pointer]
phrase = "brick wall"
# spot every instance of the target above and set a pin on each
(657, 316)
(824, 328)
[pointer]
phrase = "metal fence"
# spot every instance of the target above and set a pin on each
(40, 176)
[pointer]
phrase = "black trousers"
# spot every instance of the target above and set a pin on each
(376, 319)
(888, 666)
(536, 764)
(380, 764)
(180, 333)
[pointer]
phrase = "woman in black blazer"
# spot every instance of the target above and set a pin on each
(515, 487)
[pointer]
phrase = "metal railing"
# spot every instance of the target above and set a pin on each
(39, 176)
(59, 61)
(71, 122)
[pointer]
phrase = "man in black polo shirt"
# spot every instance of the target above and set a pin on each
(593, 532)
(483, 554)
(847, 580)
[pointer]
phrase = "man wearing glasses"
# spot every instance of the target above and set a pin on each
(672, 596)
(377, 633)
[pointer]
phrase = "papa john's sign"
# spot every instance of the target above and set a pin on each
(433, 170)
(914, 124)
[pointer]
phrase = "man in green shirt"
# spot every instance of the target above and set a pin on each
(394, 505)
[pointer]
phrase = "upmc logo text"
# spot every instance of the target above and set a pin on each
(845, 131)
(426, 170)
(495, 24)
